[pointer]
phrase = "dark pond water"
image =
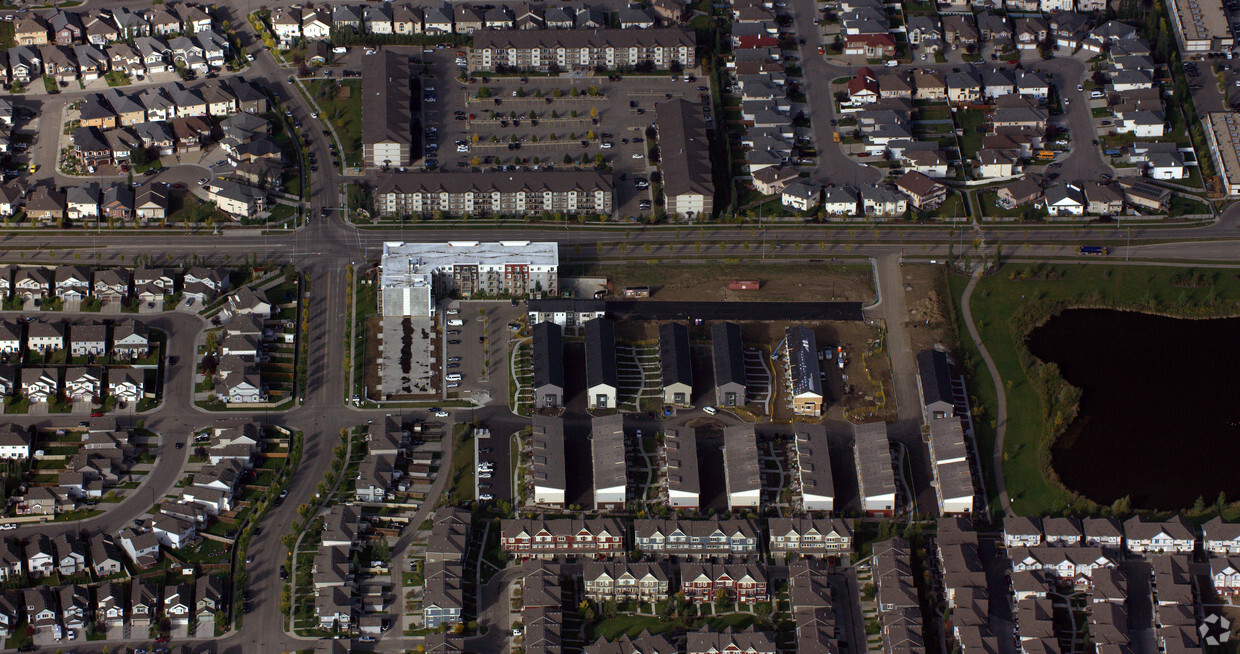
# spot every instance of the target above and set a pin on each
(1160, 408)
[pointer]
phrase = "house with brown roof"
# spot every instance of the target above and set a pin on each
(923, 192)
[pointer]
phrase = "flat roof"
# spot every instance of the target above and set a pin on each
(1201, 19)
(681, 460)
(1224, 130)
(607, 451)
(812, 459)
(547, 458)
(411, 264)
(875, 475)
(740, 459)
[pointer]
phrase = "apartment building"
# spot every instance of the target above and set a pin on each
(545, 539)
(387, 131)
(612, 49)
(696, 538)
(415, 275)
(494, 193)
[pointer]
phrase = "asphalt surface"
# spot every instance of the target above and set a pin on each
(323, 248)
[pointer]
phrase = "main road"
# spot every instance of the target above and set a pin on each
(323, 249)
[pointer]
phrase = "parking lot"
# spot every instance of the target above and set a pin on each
(548, 122)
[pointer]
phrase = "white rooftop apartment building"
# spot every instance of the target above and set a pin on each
(813, 481)
(742, 479)
(949, 459)
(680, 466)
(875, 476)
(547, 461)
(413, 276)
(607, 453)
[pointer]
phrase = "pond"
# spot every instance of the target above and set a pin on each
(1159, 416)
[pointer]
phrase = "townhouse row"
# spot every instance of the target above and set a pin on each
(47, 384)
(77, 283)
(290, 24)
(59, 613)
(348, 601)
(602, 538)
(124, 339)
(1134, 535)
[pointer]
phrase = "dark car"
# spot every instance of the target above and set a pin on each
(454, 342)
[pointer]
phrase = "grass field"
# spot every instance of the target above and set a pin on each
(341, 102)
(1000, 296)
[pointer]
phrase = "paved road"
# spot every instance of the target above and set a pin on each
(324, 248)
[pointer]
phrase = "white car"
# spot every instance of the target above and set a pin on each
(454, 384)
(638, 155)
(441, 414)
(370, 51)
(606, 145)
(710, 410)
(249, 57)
(485, 497)
(484, 475)
(7, 526)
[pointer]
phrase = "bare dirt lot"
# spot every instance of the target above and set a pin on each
(929, 307)
(707, 282)
(854, 337)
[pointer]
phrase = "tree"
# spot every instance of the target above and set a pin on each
(568, 159)
(594, 112)
(484, 92)
(475, 162)
(1122, 507)
(599, 160)
(474, 137)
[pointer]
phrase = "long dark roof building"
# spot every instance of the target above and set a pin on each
(935, 379)
(729, 359)
(570, 192)
(685, 152)
(601, 357)
(674, 359)
(548, 365)
(387, 129)
(582, 48)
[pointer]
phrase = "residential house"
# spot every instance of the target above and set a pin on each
(1064, 199)
(923, 193)
(45, 337)
(83, 384)
(88, 339)
(125, 385)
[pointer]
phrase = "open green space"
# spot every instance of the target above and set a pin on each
(1006, 305)
(341, 103)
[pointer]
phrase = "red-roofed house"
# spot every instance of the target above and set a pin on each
(753, 41)
(873, 46)
(863, 87)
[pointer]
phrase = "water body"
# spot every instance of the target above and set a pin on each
(1159, 417)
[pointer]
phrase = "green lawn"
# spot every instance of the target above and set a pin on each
(970, 120)
(341, 102)
(1000, 296)
(631, 625)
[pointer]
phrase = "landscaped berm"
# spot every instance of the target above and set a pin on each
(1008, 304)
